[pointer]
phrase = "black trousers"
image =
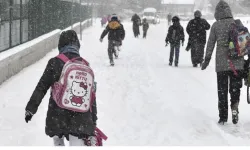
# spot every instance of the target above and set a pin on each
(228, 82)
(197, 52)
(136, 30)
(145, 33)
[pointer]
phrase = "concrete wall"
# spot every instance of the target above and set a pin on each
(14, 60)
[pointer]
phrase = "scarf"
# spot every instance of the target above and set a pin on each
(69, 49)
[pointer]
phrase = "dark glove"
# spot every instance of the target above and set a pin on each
(205, 64)
(28, 116)
(166, 44)
(188, 47)
(101, 40)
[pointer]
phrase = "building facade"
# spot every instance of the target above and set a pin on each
(177, 7)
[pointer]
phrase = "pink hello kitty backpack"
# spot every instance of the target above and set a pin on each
(75, 88)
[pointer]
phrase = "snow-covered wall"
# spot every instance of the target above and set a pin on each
(17, 58)
(14, 60)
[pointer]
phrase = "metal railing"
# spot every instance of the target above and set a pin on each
(25, 20)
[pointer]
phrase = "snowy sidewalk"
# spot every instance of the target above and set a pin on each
(141, 101)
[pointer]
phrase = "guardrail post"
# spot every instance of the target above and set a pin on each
(10, 22)
(80, 19)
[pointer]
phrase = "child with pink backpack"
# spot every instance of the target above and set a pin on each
(72, 112)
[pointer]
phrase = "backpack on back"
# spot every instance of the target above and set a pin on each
(75, 89)
(239, 41)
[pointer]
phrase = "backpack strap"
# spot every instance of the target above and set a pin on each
(235, 32)
(83, 60)
(66, 59)
(63, 58)
(73, 59)
(232, 67)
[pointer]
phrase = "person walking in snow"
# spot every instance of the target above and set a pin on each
(104, 20)
(77, 127)
(136, 25)
(175, 37)
(116, 35)
(109, 17)
(169, 18)
(227, 80)
(197, 38)
(145, 27)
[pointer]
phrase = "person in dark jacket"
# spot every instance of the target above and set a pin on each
(60, 123)
(174, 37)
(197, 38)
(145, 27)
(136, 25)
(116, 35)
(169, 18)
(227, 80)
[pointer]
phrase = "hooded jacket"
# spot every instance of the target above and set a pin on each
(175, 33)
(145, 25)
(115, 30)
(197, 30)
(220, 34)
(61, 122)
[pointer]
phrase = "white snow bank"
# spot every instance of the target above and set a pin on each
(21, 47)
(14, 60)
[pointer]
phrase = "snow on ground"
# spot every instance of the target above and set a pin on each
(141, 101)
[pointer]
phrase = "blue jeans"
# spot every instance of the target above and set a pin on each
(175, 49)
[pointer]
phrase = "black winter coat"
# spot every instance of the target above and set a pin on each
(175, 34)
(136, 20)
(115, 30)
(61, 122)
(197, 30)
(145, 26)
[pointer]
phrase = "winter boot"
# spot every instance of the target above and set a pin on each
(235, 113)
(195, 65)
(176, 65)
(170, 63)
(235, 116)
(222, 121)
(112, 63)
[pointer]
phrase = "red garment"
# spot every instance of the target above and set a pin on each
(77, 100)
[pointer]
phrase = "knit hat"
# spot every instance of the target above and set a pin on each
(67, 38)
(197, 14)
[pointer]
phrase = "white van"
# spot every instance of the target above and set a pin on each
(151, 15)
